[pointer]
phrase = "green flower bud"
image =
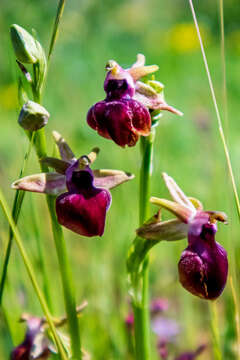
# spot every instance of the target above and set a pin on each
(25, 46)
(33, 116)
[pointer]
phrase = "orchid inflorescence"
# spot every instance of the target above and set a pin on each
(132, 107)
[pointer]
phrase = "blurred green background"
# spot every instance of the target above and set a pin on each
(187, 148)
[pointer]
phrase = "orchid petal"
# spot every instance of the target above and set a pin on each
(48, 183)
(93, 154)
(137, 72)
(140, 61)
(196, 203)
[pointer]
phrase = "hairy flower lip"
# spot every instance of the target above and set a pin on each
(122, 120)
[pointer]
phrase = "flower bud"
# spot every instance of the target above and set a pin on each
(25, 46)
(33, 116)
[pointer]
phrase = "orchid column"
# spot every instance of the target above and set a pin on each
(131, 109)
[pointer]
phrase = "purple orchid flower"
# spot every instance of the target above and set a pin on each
(83, 207)
(124, 114)
(203, 267)
(35, 345)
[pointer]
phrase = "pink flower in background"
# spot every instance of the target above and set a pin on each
(35, 345)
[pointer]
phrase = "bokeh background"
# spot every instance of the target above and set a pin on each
(187, 148)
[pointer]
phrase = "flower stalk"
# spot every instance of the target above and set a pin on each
(141, 309)
(17, 204)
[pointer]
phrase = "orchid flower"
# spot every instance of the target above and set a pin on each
(83, 207)
(124, 115)
(35, 344)
(203, 267)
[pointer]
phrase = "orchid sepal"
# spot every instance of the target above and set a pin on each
(64, 149)
(60, 166)
(50, 183)
(169, 230)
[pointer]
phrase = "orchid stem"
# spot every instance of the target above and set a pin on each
(141, 309)
(215, 331)
(17, 205)
(42, 263)
(31, 274)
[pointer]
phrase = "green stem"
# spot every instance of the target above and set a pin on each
(215, 331)
(141, 309)
(60, 10)
(31, 274)
(17, 205)
(42, 263)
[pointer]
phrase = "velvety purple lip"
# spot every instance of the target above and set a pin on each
(203, 267)
(119, 117)
(83, 208)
